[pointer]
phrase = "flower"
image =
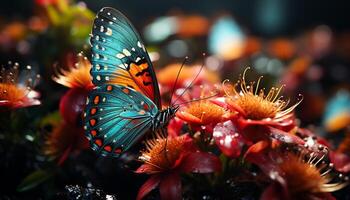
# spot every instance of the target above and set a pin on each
(77, 76)
(64, 140)
(14, 93)
(229, 141)
(165, 159)
(303, 176)
(260, 117)
(201, 113)
(78, 79)
(175, 126)
(72, 105)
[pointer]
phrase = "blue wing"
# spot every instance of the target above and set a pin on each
(119, 56)
(116, 117)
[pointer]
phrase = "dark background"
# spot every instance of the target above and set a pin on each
(291, 16)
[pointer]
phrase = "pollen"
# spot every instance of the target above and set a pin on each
(161, 153)
(307, 175)
(15, 94)
(205, 111)
(77, 76)
(255, 103)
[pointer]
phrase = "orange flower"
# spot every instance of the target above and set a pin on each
(64, 140)
(304, 176)
(13, 93)
(202, 113)
(255, 107)
(260, 117)
(77, 76)
(166, 159)
(78, 79)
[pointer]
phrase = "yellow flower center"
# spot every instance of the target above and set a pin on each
(255, 103)
(12, 93)
(160, 154)
(207, 112)
(307, 177)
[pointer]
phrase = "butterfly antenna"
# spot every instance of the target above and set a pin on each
(193, 100)
(192, 82)
(177, 77)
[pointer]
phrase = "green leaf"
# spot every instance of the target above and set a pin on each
(33, 180)
(50, 119)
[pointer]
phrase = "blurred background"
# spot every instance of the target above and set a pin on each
(302, 44)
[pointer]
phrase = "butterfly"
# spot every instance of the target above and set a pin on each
(126, 103)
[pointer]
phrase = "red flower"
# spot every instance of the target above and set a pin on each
(303, 176)
(228, 139)
(201, 114)
(72, 105)
(14, 94)
(174, 127)
(78, 79)
(260, 117)
(64, 140)
(165, 160)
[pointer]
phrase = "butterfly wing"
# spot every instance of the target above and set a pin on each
(116, 117)
(119, 56)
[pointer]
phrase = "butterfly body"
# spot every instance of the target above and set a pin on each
(125, 104)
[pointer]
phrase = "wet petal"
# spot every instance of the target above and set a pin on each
(285, 136)
(228, 139)
(200, 162)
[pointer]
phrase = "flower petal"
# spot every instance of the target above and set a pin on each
(257, 147)
(285, 136)
(227, 139)
(200, 162)
(170, 187)
(147, 169)
(188, 117)
(174, 127)
(148, 186)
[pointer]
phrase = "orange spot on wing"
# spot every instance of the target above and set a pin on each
(137, 78)
(92, 122)
(96, 99)
(93, 111)
(126, 90)
(98, 142)
(145, 107)
(109, 88)
(118, 150)
(108, 148)
(93, 132)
